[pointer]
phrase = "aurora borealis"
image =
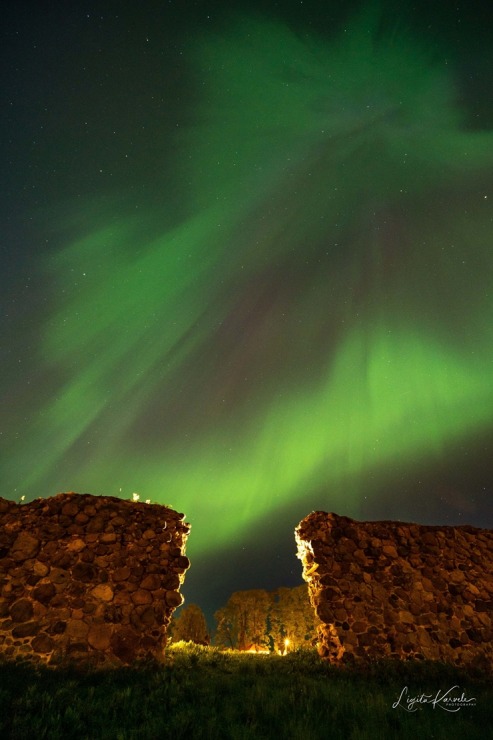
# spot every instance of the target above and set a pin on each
(259, 258)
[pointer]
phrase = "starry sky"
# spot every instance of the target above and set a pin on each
(246, 266)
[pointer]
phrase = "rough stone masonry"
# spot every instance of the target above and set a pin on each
(88, 579)
(404, 590)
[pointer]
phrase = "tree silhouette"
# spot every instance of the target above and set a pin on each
(190, 625)
(257, 619)
(242, 623)
(292, 618)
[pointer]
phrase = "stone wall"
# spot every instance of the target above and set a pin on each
(88, 579)
(404, 590)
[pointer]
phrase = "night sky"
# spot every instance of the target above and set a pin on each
(246, 266)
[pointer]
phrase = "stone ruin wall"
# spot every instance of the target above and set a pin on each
(408, 591)
(88, 579)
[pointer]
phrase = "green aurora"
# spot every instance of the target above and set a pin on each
(318, 310)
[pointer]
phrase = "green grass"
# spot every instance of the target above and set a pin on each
(205, 693)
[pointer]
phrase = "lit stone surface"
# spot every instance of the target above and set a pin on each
(403, 590)
(88, 579)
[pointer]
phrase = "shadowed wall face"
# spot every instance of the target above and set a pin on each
(395, 589)
(88, 579)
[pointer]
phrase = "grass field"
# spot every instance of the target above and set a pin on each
(205, 693)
